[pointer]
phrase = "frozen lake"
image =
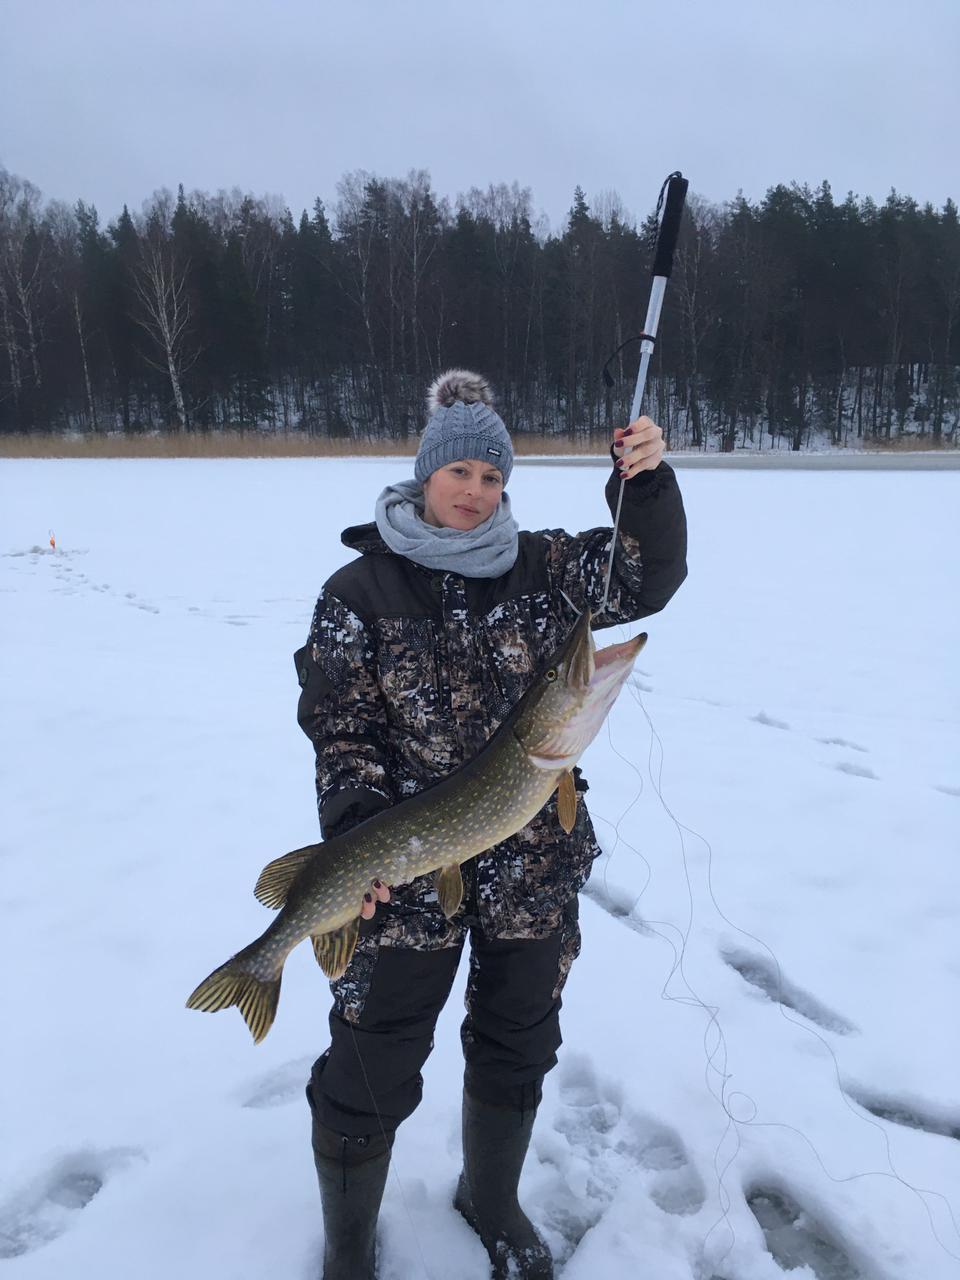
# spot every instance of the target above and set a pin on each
(782, 460)
(759, 1072)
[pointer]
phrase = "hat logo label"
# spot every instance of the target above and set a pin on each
(495, 452)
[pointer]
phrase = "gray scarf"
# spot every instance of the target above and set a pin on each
(487, 551)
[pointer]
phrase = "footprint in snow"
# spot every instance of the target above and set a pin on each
(795, 1238)
(131, 598)
(762, 718)
(842, 742)
(279, 1087)
(930, 1117)
(59, 555)
(855, 770)
(618, 903)
(598, 1141)
(947, 791)
(762, 973)
(49, 1206)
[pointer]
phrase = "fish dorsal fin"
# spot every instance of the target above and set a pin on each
(277, 876)
(450, 889)
(334, 950)
(567, 801)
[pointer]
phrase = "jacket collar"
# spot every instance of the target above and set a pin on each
(365, 538)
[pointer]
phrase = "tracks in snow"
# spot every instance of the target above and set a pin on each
(51, 1204)
(70, 580)
(793, 1233)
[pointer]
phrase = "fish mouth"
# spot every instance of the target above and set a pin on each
(589, 667)
(598, 678)
(611, 667)
(625, 652)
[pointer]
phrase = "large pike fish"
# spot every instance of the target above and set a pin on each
(320, 888)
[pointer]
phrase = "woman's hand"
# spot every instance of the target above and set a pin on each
(638, 447)
(378, 893)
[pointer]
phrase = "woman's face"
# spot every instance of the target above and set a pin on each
(462, 495)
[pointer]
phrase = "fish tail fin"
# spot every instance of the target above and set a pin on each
(256, 998)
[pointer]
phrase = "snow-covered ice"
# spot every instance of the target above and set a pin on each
(759, 1073)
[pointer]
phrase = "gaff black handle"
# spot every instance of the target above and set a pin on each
(676, 193)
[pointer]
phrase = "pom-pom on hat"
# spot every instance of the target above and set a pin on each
(463, 424)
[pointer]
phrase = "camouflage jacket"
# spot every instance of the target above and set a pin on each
(408, 671)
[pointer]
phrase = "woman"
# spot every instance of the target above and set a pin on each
(417, 652)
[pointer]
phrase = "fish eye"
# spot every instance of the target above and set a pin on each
(551, 674)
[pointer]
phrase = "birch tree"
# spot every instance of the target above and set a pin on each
(23, 246)
(161, 287)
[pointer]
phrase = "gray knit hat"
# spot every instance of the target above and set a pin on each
(462, 425)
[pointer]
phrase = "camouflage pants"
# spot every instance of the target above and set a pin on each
(386, 1008)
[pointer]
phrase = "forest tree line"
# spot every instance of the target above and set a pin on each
(788, 321)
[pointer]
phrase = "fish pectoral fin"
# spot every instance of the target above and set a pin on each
(277, 876)
(450, 889)
(567, 801)
(335, 950)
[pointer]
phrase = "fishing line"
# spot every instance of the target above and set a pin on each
(394, 1166)
(719, 1047)
(667, 219)
(723, 1097)
(919, 1192)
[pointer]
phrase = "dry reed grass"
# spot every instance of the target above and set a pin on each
(249, 444)
(913, 444)
(252, 444)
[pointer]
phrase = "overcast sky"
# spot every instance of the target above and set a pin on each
(107, 100)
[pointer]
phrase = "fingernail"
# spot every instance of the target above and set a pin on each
(368, 897)
(377, 884)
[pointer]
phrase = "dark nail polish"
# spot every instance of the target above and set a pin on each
(377, 884)
(368, 897)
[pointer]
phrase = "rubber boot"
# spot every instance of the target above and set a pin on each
(352, 1173)
(495, 1142)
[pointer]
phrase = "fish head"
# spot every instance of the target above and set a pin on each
(572, 695)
